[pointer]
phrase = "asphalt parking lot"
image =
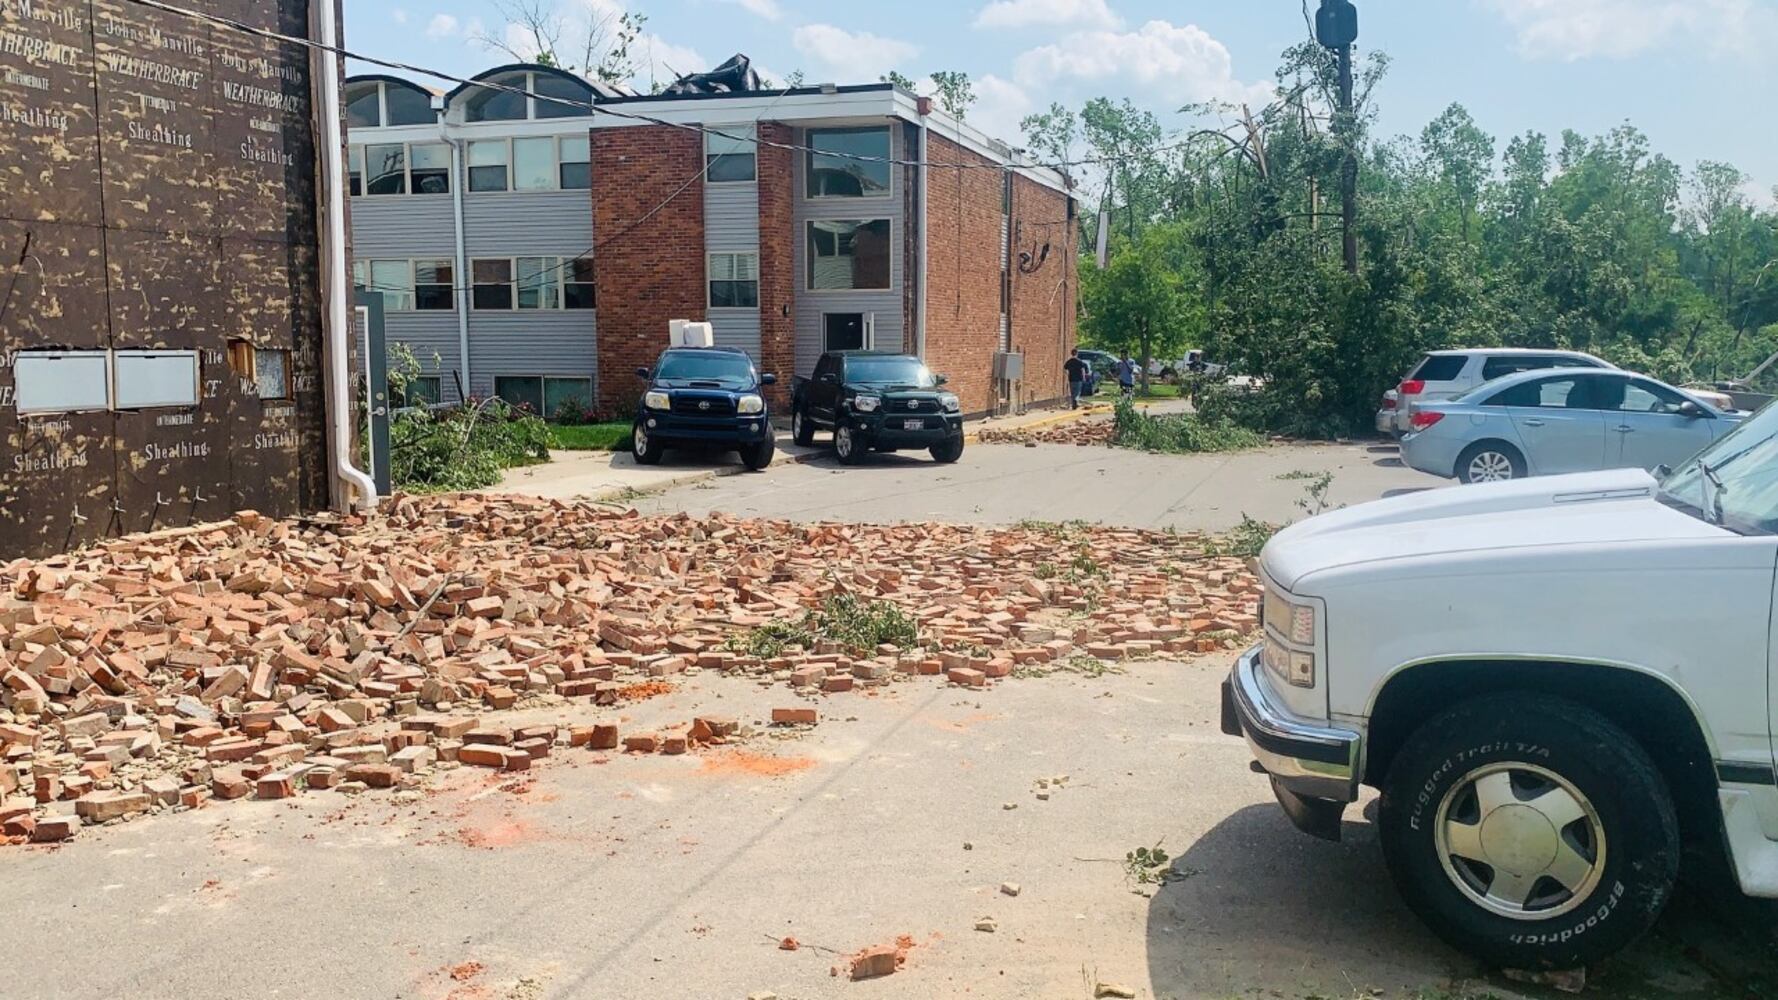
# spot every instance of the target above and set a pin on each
(897, 819)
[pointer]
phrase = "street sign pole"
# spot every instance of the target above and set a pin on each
(1336, 28)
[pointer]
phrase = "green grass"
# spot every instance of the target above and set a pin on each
(589, 437)
(1159, 390)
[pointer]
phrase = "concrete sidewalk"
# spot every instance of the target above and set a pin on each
(605, 475)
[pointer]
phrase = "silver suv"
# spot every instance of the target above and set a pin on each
(1449, 374)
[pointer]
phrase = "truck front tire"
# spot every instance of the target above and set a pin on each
(948, 452)
(759, 456)
(801, 430)
(645, 446)
(846, 445)
(1530, 831)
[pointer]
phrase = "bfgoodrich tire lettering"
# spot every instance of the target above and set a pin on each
(1466, 823)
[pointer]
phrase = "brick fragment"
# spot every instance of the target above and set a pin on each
(794, 717)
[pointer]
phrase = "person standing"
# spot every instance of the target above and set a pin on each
(1126, 376)
(1076, 370)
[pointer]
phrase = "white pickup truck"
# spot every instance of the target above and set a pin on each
(1555, 683)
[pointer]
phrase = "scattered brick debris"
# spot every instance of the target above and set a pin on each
(271, 658)
(1079, 432)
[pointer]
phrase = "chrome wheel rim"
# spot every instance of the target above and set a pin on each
(842, 442)
(1520, 841)
(641, 440)
(796, 423)
(1490, 467)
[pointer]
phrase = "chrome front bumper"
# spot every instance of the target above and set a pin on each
(1313, 766)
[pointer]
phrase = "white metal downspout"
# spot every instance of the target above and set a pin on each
(459, 177)
(335, 289)
(920, 294)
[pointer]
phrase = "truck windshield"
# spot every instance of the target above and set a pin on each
(1734, 482)
(889, 371)
(706, 366)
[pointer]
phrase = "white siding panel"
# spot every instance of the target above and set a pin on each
(433, 338)
(403, 226)
(536, 342)
(731, 217)
(737, 328)
(885, 305)
(529, 224)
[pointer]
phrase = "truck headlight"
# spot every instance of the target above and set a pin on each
(867, 404)
(658, 401)
(950, 402)
(1295, 622)
(1293, 666)
(750, 404)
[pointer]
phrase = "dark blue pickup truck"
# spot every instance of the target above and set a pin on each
(877, 402)
(705, 397)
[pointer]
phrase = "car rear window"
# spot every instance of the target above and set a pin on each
(1439, 368)
(1501, 367)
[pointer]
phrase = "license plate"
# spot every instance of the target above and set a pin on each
(913, 425)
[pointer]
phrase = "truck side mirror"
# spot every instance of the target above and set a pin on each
(642, 373)
(829, 377)
(940, 379)
(768, 379)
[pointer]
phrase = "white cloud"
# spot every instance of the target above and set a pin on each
(1047, 13)
(861, 56)
(767, 9)
(1177, 64)
(1572, 30)
(441, 26)
(398, 15)
(1000, 105)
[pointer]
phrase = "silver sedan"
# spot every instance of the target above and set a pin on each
(1545, 422)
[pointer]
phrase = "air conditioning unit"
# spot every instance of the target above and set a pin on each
(684, 333)
(1009, 366)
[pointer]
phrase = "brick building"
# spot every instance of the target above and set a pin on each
(793, 221)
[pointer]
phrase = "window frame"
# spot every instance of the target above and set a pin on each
(810, 255)
(711, 158)
(557, 265)
(370, 283)
(360, 178)
(710, 278)
(543, 382)
(809, 163)
(450, 287)
(562, 162)
(1582, 384)
(512, 167)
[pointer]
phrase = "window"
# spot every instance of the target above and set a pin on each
(1548, 394)
(62, 381)
(843, 332)
(364, 104)
(849, 255)
(271, 373)
(488, 104)
(146, 379)
(578, 291)
(393, 278)
(421, 390)
(407, 106)
(355, 169)
(388, 169)
(734, 281)
(1439, 368)
(533, 283)
(577, 167)
(1636, 396)
(435, 285)
(534, 165)
(731, 161)
(493, 284)
(835, 167)
(540, 282)
(550, 85)
(431, 170)
(543, 395)
(487, 165)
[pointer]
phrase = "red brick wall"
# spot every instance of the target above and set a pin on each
(777, 261)
(648, 271)
(963, 272)
(1043, 302)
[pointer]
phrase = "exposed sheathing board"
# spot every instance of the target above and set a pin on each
(157, 193)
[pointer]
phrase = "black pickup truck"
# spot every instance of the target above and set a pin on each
(877, 402)
(706, 397)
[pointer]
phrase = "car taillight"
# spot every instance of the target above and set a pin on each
(1423, 419)
(1412, 387)
(1388, 402)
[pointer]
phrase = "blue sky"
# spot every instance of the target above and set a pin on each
(1690, 73)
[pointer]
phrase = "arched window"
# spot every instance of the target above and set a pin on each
(372, 102)
(489, 99)
(486, 104)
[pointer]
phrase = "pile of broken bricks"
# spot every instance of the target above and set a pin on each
(258, 657)
(1080, 432)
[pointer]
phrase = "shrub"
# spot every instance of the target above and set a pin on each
(1182, 433)
(462, 449)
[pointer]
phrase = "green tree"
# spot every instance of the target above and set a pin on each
(954, 91)
(901, 81)
(1052, 134)
(1462, 156)
(1141, 305)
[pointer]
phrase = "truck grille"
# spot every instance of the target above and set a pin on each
(915, 406)
(703, 406)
